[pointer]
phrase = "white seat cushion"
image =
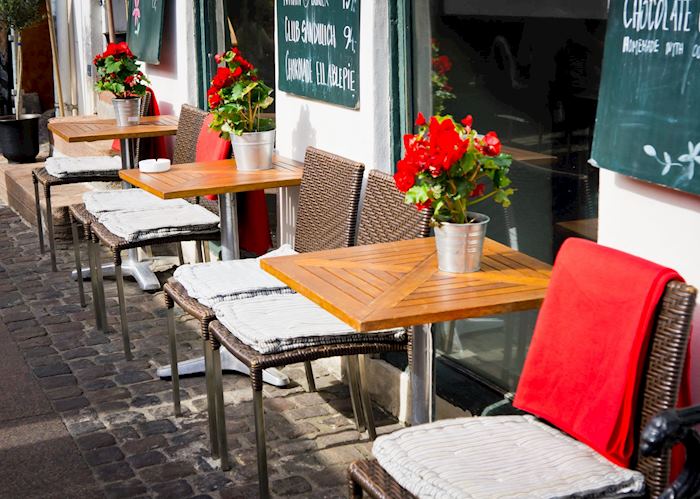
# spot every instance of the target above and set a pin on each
(282, 322)
(66, 166)
(144, 225)
(499, 457)
(100, 202)
(214, 282)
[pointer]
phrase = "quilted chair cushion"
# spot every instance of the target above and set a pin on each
(213, 282)
(500, 457)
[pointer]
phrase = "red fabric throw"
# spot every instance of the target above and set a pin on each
(253, 222)
(586, 358)
(152, 147)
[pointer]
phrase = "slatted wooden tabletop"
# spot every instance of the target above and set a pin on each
(214, 177)
(398, 284)
(102, 129)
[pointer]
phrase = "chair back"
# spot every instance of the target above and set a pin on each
(663, 374)
(328, 202)
(188, 126)
(385, 217)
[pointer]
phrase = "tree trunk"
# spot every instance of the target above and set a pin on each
(18, 99)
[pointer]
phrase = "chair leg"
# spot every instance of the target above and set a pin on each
(366, 400)
(174, 374)
(205, 250)
(211, 399)
(37, 207)
(180, 257)
(78, 265)
(354, 387)
(220, 413)
(93, 260)
(122, 311)
(310, 381)
(100, 286)
(198, 249)
(260, 441)
(49, 226)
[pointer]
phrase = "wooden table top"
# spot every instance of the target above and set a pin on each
(398, 284)
(214, 177)
(102, 129)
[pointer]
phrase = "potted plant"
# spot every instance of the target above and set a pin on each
(237, 97)
(118, 72)
(449, 168)
(19, 133)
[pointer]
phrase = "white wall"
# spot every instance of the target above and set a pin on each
(658, 224)
(174, 80)
(361, 135)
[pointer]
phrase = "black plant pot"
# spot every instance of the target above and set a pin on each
(19, 139)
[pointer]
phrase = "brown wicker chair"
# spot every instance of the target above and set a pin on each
(328, 205)
(385, 218)
(189, 126)
(663, 373)
(41, 176)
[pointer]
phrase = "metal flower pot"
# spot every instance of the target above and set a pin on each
(127, 111)
(253, 150)
(460, 246)
(19, 138)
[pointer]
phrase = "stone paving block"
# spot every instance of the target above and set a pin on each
(119, 414)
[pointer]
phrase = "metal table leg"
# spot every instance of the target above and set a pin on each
(422, 375)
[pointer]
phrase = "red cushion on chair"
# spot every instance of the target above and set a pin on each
(253, 223)
(588, 351)
(211, 147)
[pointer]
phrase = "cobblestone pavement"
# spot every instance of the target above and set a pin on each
(120, 414)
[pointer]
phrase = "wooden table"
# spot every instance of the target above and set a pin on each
(104, 129)
(398, 284)
(218, 177)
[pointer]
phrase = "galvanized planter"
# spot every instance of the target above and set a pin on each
(127, 111)
(460, 246)
(253, 150)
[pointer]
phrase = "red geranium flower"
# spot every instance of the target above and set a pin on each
(478, 191)
(442, 64)
(222, 78)
(425, 205)
(420, 119)
(214, 100)
(492, 144)
(467, 121)
(404, 180)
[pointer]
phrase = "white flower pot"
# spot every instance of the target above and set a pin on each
(253, 150)
(460, 246)
(127, 111)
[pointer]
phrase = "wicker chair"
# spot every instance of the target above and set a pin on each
(189, 126)
(328, 205)
(385, 218)
(41, 176)
(663, 373)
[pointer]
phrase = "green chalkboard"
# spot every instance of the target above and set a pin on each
(318, 47)
(648, 121)
(145, 29)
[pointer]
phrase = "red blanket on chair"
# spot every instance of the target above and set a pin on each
(584, 365)
(253, 223)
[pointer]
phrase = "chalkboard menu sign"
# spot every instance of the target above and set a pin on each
(145, 29)
(648, 122)
(319, 49)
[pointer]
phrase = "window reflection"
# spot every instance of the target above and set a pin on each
(535, 81)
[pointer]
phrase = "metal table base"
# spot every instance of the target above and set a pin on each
(423, 375)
